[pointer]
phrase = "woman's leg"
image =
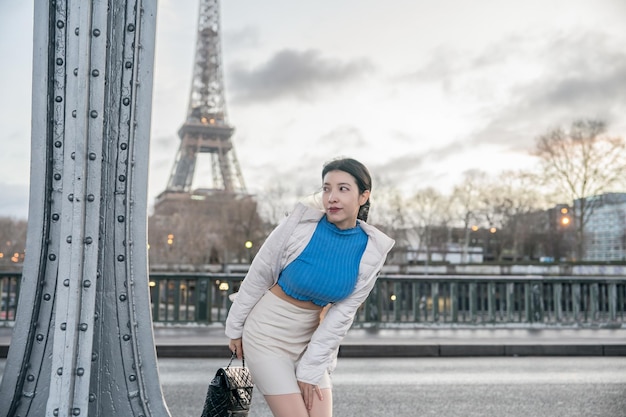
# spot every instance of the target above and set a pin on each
(292, 405)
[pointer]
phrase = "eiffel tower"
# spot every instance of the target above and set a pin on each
(224, 214)
(206, 129)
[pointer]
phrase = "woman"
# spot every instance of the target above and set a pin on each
(313, 260)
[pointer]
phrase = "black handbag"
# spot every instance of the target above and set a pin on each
(230, 392)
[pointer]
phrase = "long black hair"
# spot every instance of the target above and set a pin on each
(361, 176)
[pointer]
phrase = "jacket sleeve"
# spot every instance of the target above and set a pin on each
(325, 341)
(262, 274)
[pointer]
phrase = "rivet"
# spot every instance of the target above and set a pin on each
(96, 32)
(123, 146)
(122, 178)
(63, 326)
(58, 99)
(128, 64)
(55, 412)
(132, 378)
(87, 284)
(88, 240)
(131, 27)
(59, 61)
(75, 71)
(92, 398)
(57, 176)
(94, 356)
(123, 297)
(120, 218)
(73, 113)
(73, 155)
(126, 101)
(75, 411)
(91, 197)
(126, 337)
(66, 282)
(68, 239)
(52, 257)
(95, 73)
(58, 144)
(59, 371)
(120, 258)
(30, 378)
(70, 197)
(47, 297)
(40, 337)
(83, 326)
(92, 156)
(60, 24)
(93, 114)
(55, 217)
(80, 371)
(76, 31)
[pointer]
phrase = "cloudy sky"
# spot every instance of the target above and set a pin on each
(420, 91)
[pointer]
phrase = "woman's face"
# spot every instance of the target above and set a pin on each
(342, 199)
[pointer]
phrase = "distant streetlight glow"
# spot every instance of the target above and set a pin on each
(493, 230)
(248, 244)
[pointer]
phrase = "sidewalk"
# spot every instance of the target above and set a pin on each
(209, 341)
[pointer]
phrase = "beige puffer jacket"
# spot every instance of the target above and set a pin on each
(284, 245)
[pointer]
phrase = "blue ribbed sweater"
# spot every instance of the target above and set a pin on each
(327, 269)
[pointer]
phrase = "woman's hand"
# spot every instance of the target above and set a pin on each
(236, 347)
(308, 392)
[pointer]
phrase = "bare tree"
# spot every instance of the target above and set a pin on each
(581, 163)
(427, 206)
(274, 202)
(466, 202)
(507, 201)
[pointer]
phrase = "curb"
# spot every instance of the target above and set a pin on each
(416, 351)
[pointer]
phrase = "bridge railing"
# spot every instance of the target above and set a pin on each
(9, 291)
(404, 300)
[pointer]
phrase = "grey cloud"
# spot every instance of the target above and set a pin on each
(290, 73)
(584, 78)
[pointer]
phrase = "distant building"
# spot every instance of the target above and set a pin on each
(605, 231)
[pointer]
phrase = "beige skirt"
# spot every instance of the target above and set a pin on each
(275, 335)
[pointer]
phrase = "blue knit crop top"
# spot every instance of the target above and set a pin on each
(327, 269)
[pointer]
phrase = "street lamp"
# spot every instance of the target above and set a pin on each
(248, 246)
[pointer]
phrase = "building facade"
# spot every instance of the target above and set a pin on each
(605, 231)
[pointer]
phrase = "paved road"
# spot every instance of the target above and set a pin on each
(441, 387)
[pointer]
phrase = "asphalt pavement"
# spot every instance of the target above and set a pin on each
(437, 386)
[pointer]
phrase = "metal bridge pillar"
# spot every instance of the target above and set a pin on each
(83, 342)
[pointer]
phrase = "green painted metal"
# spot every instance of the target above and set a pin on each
(419, 300)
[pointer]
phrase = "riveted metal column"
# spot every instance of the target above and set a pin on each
(83, 342)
